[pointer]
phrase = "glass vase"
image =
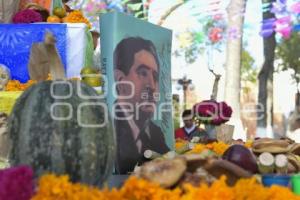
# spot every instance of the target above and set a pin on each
(211, 131)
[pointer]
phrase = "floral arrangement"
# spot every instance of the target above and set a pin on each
(15, 85)
(217, 147)
(92, 9)
(212, 112)
(16, 183)
(285, 20)
(60, 188)
(215, 29)
(215, 34)
(27, 16)
(77, 16)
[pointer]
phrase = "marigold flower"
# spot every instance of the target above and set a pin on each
(53, 187)
(218, 147)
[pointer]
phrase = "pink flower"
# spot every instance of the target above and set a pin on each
(285, 32)
(283, 26)
(217, 17)
(16, 183)
(27, 16)
(89, 7)
(296, 8)
(102, 6)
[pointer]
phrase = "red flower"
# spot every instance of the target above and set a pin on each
(215, 34)
(212, 112)
(27, 16)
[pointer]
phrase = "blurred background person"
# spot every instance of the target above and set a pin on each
(190, 129)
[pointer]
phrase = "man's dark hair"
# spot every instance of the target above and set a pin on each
(186, 113)
(125, 50)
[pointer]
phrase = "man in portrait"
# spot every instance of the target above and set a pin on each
(136, 72)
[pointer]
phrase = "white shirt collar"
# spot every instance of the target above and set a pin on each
(189, 130)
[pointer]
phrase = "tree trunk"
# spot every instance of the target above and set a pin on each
(265, 78)
(233, 63)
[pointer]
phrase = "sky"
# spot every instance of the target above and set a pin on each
(202, 79)
(183, 19)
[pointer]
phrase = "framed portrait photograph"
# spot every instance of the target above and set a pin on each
(136, 64)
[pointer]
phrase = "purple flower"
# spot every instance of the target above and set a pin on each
(212, 112)
(16, 183)
(27, 16)
(278, 7)
(226, 111)
(217, 121)
(267, 28)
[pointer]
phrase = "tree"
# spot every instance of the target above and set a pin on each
(170, 11)
(288, 54)
(233, 61)
(265, 78)
(189, 45)
(176, 112)
(248, 73)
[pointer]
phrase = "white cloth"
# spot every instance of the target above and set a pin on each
(97, 57)
(294, 135)
(76, 44)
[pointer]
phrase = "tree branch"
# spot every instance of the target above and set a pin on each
(169, 12)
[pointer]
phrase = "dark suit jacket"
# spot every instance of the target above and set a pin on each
(127, 153)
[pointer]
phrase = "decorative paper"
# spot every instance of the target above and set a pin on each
(225, 133)
(283, 22)
(16, 41)
(93, 8)
(7, 100)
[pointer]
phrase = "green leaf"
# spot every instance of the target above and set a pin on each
(135, 7)
(125, 1)
(287, 53)
(140, 13)
(199, 37)
(248, 73)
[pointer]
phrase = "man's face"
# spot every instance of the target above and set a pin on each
(144, 76)
(188, 121)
